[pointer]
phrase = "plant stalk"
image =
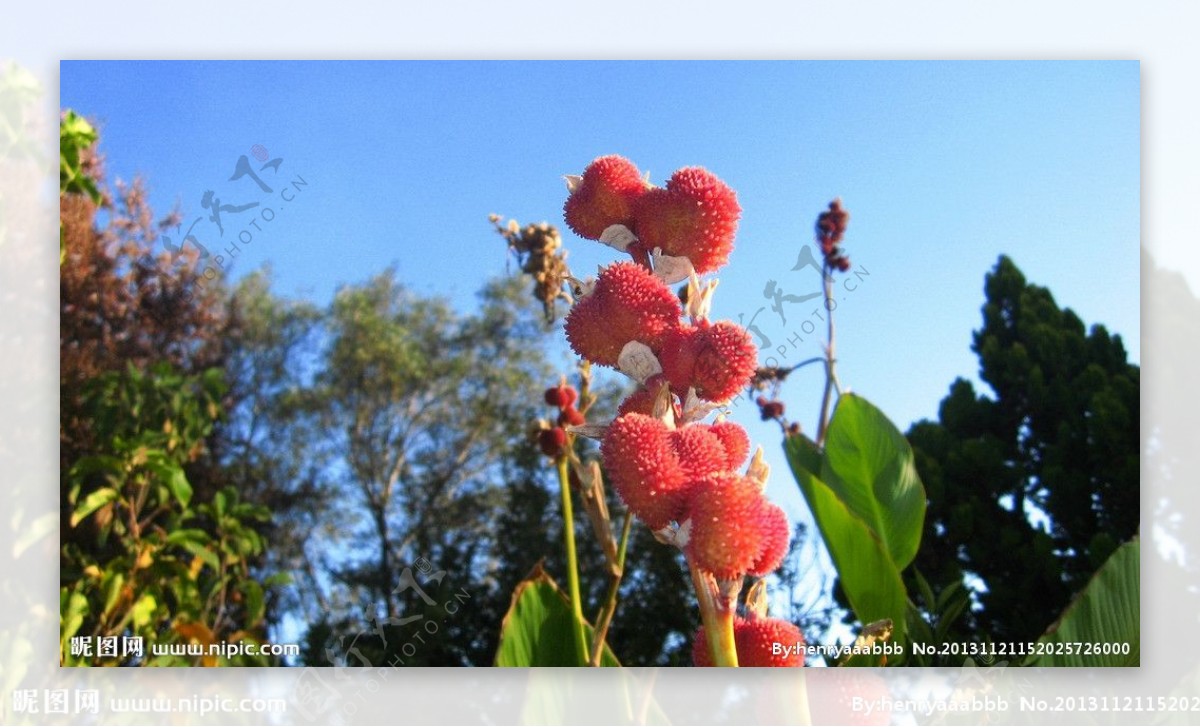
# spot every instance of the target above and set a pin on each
(830, 359)
(610, 603)
(572, 562)
(717, 621)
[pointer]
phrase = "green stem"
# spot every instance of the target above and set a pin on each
(572, 562)
(717, 621)
(830, 360)
(610, 603)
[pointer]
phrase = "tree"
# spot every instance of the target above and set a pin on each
(148, 549)
(1031, 489)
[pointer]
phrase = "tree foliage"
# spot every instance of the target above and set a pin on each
(1033, 488)
(153, 545)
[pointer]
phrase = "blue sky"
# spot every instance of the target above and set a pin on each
(943, 166)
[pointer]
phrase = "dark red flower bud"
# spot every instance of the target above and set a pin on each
(561, 396)
(552, 441)
(571, 417)
(770, 410)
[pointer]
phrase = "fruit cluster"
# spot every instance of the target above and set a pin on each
(553, 440)
(760, 642)
(694, 216)
(831, 228)
(674, 472)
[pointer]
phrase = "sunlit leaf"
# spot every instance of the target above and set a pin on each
(92, 503)
(1105, 614)
(538, 631)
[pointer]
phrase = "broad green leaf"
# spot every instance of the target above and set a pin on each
(1106, 612)
(537, 630)
(868, 576)
(869, 464)
(92, 503)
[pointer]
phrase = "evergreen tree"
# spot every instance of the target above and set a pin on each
(1031, 489)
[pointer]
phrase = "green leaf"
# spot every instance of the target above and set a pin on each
(277, 579)
(108, 465)
(143, 610)
(92, 503)
(73, 612)
(537, 630)
(869, 464)
(188, 535)
(869, 577)
(74, 135)
(210, 559)
(219, 503)
(76, 129)
(254, 602)
(1106, 612)
(111, 587)
(176, 481)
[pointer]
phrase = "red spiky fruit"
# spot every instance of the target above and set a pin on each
(604, 196)
(726, 360)
(700, 452)
(643, 398)
(561, 396)
(694, 216)
(644, 469)
(627, 304)
(755, 640)
(774, 526)
(768, 642)
(640, 401)
(719, 359)
(726, 536)
(677, 355)
(735, 441)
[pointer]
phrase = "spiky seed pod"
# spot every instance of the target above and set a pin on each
(773, 524)
(754, 640)
(644, 469)
(726, 536)
(719, 359)
(677, 354)
(640, 401)
(627, 304)
(604, 196)
(694, 216)
(726, 360)
(700, 451)
(735, 441)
